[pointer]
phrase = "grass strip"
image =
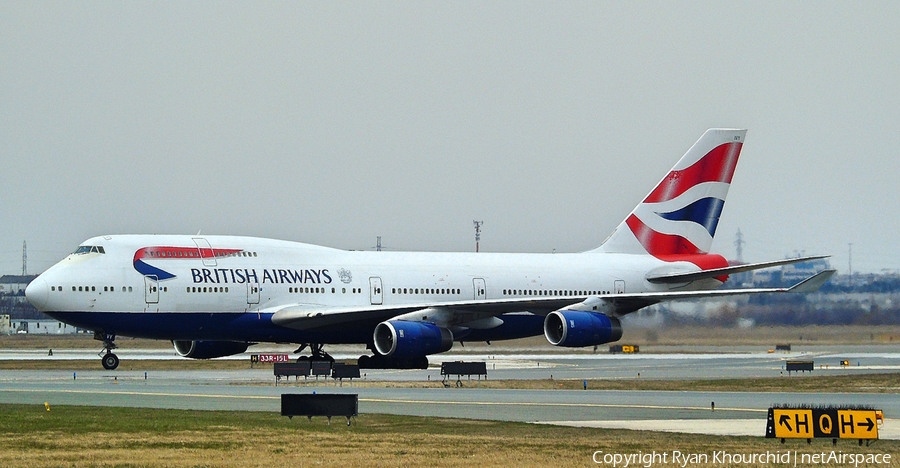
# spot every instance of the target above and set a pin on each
(133, 437)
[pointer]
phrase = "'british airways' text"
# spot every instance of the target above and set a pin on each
(250, 275)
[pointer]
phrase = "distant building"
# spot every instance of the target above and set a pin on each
(14, 285)
(40, 327)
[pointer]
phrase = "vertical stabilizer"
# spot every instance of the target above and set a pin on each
(680, 215)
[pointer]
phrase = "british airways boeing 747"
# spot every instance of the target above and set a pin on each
(214, 296)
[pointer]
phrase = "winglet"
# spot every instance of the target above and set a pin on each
(813, 283)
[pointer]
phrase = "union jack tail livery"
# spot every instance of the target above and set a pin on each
(679, 216)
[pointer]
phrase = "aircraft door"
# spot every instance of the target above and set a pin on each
(252, 293)
(480, 289)
(619, 287)
(375, 293)
(151, 289)
(206, 251)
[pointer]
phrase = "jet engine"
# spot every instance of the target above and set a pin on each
(574, 329)
(208, 349)
(405, 339)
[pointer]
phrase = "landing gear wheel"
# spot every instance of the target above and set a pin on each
(319, 354)
(316, 351)
(110, 361)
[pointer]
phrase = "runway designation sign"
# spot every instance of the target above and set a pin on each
(809, 423)
(254, 358)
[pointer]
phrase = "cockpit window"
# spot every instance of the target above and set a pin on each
(85, 249)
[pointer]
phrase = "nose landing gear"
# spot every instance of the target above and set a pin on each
(109, 360)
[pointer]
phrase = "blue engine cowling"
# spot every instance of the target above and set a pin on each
(573, 329)
(208, 349)
(404, 339)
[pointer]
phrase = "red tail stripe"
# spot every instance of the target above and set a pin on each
(716, 166)
(657, 243)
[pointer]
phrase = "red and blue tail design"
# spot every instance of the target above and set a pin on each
(679, 216)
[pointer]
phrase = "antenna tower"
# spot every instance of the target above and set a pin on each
(24, 258)
(378, 244)
(739, 246)
(850, 261)
(477, 234)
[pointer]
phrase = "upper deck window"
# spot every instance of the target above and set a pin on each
(85, 249)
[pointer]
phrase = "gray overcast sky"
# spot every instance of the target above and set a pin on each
(333, 123)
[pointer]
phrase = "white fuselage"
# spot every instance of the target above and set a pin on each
(228, 276)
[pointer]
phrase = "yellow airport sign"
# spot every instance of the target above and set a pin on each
(857, 424)
(793, 423)
(831, 423)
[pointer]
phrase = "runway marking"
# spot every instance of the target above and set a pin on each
(569, 405)
(401, 401)
(160, 394)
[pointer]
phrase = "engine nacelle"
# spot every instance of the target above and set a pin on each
(574, 329)
(404, 339)
(208, 349)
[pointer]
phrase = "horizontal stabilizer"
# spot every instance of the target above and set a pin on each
(688, 276)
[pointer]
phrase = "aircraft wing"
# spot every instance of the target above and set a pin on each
(307, 317)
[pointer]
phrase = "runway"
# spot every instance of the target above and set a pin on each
(676, 363)
(680, 411)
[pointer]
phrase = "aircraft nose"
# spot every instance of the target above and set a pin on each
(37, 293)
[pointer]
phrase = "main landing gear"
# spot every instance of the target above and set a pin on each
(317, 353)
(109, 360)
